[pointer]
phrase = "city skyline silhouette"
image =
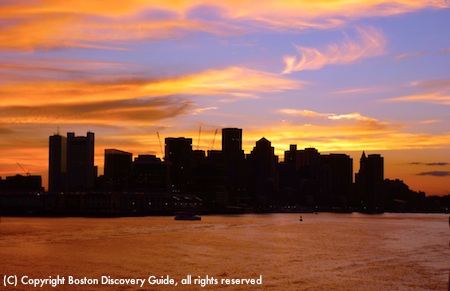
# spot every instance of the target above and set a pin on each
(344, 77)
(217, 181)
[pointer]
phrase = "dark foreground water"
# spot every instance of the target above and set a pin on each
(322, 252)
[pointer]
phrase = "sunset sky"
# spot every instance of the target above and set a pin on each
(342, 76)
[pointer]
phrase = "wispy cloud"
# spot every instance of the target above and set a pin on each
(234, 82)
(332, 116)
(31, 69)
(93, 24)
(435, 173)
(238, 96)
(371, 43)
(123, 112)
(430, 121)
(203, 109)
(135, 103)
(426, 98)
(358, 90)
(306, 113)
(431, 164)
(409, 55)
(435, 91)
(432, 85)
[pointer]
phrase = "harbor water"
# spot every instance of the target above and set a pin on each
(233, 252)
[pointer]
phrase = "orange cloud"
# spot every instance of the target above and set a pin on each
(203, 109)
(48, 24)
(331, 116)
(427, 98)
(320, 13)
(429, 91)
(121, 112)
(232, 81)
(65, 31)
(430, 121)
(26, 70)
(306, 113)
(52, 24)
(371, 43)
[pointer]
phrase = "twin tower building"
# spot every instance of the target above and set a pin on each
(71, 163)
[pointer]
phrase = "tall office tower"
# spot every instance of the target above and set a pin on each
(263, 173)
(308, 167)
(80, 162)
(288, 174)
(178, 156)
(148, 174)
(232, 141)
(369, 182)
(308, 164)
(289, 169)
(336, 180)
(233, 161)
(290, 157)
(57, 163)
(117, 169)
(309, 157)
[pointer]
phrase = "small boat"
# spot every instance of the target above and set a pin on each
(187, 216)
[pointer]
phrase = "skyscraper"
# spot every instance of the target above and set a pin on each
(57, 163)
(80, 162)
(231, 141)
(148, 174)
(233, 159)
(178, 156)
(117, 169)
(336, 180)
(369, 182)
(263, 174)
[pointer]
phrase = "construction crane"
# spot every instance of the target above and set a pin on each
(198, 140)
(26, 172)
(214, 139)
(160, 145)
